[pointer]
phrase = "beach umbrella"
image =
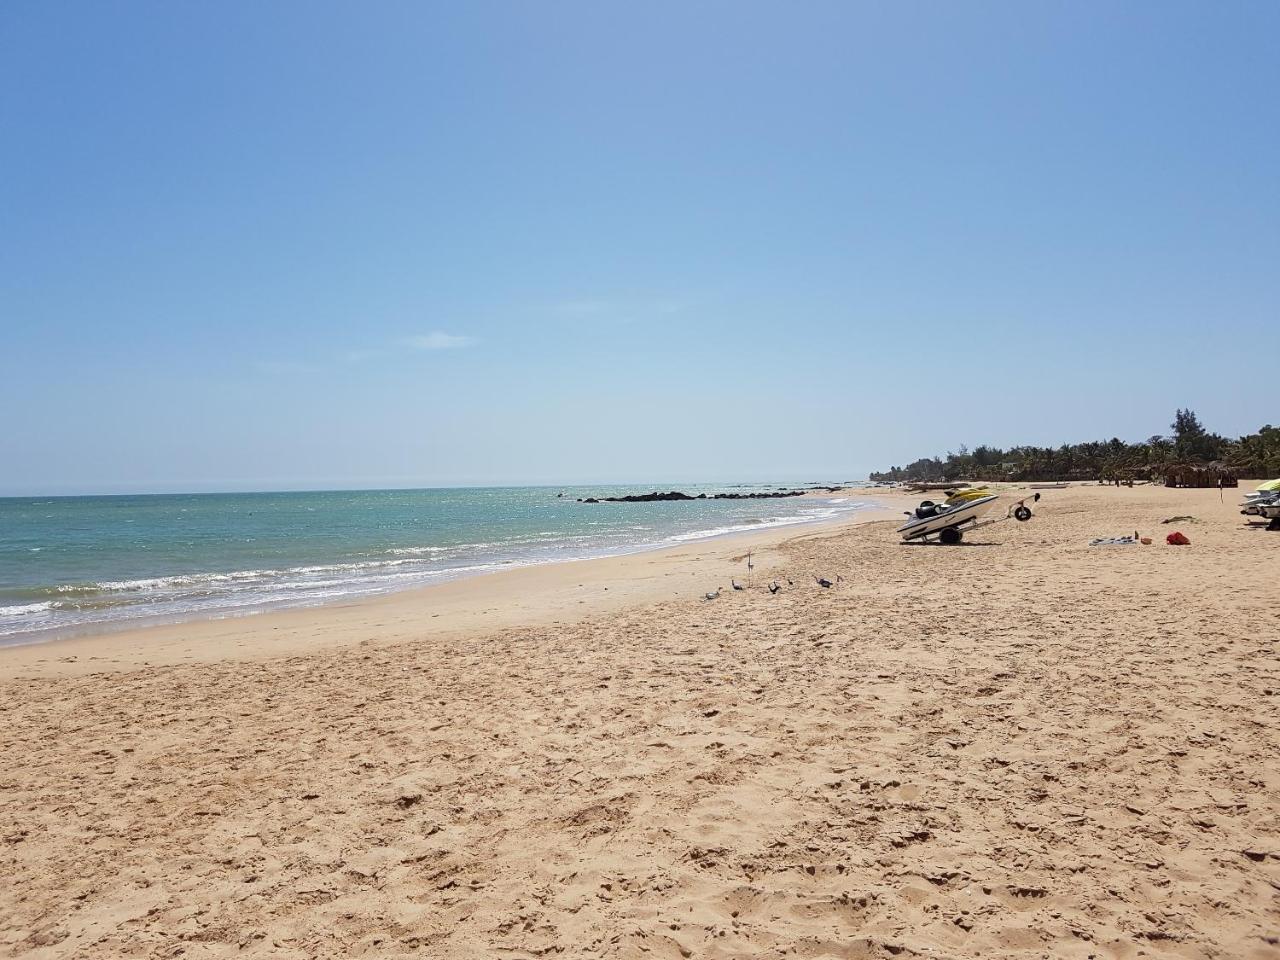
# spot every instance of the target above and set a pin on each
(1269, 485)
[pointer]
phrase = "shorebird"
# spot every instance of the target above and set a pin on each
(773, 587)
(712, 596)
(737, 585)
(824, 582)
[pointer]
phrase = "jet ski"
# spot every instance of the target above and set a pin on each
(963, 496)
(1268, 509)
(1254, 504)
(949, 520)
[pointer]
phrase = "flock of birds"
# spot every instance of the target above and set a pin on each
(775, 586)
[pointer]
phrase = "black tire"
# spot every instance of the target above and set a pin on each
(1022, 512)
(951, 536)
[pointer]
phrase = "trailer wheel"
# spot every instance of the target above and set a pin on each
(950, 536)
(1022, 512)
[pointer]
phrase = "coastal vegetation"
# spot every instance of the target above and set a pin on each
(1190, 450)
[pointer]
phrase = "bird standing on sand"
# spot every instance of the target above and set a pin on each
(773, 587)
(712, 596)
(823, 582)
(737, 585)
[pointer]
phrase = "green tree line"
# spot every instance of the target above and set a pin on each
(1254, 455)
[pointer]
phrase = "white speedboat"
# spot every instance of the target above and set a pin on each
(1272, 512)
(943, 519)
(948, 521)
(1254, 503)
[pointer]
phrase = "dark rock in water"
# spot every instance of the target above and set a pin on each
(758, 496)
(648, 497)
(677, 495)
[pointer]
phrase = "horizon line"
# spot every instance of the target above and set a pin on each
(418, 487)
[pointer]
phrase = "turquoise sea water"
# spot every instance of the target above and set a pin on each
(83, 564)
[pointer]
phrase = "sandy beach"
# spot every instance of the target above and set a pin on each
(1021, 747)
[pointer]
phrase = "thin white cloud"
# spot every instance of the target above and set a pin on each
(438, 340)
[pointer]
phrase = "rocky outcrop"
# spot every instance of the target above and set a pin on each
(677, 495)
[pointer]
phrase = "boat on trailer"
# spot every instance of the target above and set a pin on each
(949, 521)
(1271, 511)
(1255, 504)
(1265, 494)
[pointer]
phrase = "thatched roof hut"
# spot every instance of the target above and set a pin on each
(1214, 474)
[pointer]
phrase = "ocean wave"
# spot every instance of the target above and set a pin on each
(26, 609)
(158, 583)
(363, 570)
(755, 524)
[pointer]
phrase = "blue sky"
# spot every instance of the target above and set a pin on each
(253, 246)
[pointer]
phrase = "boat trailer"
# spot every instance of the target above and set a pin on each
(954, 533)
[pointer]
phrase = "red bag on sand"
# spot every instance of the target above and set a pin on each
(1177, 539)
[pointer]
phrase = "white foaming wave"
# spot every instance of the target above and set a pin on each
(250, 579)
(25, 609)
(804, 516)
(454, 548)
(230, 601)
(233, 577)
(735, 528)
(350, 567)
(371, 583)
(182, 580)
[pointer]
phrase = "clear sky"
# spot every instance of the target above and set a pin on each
(263, 245)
